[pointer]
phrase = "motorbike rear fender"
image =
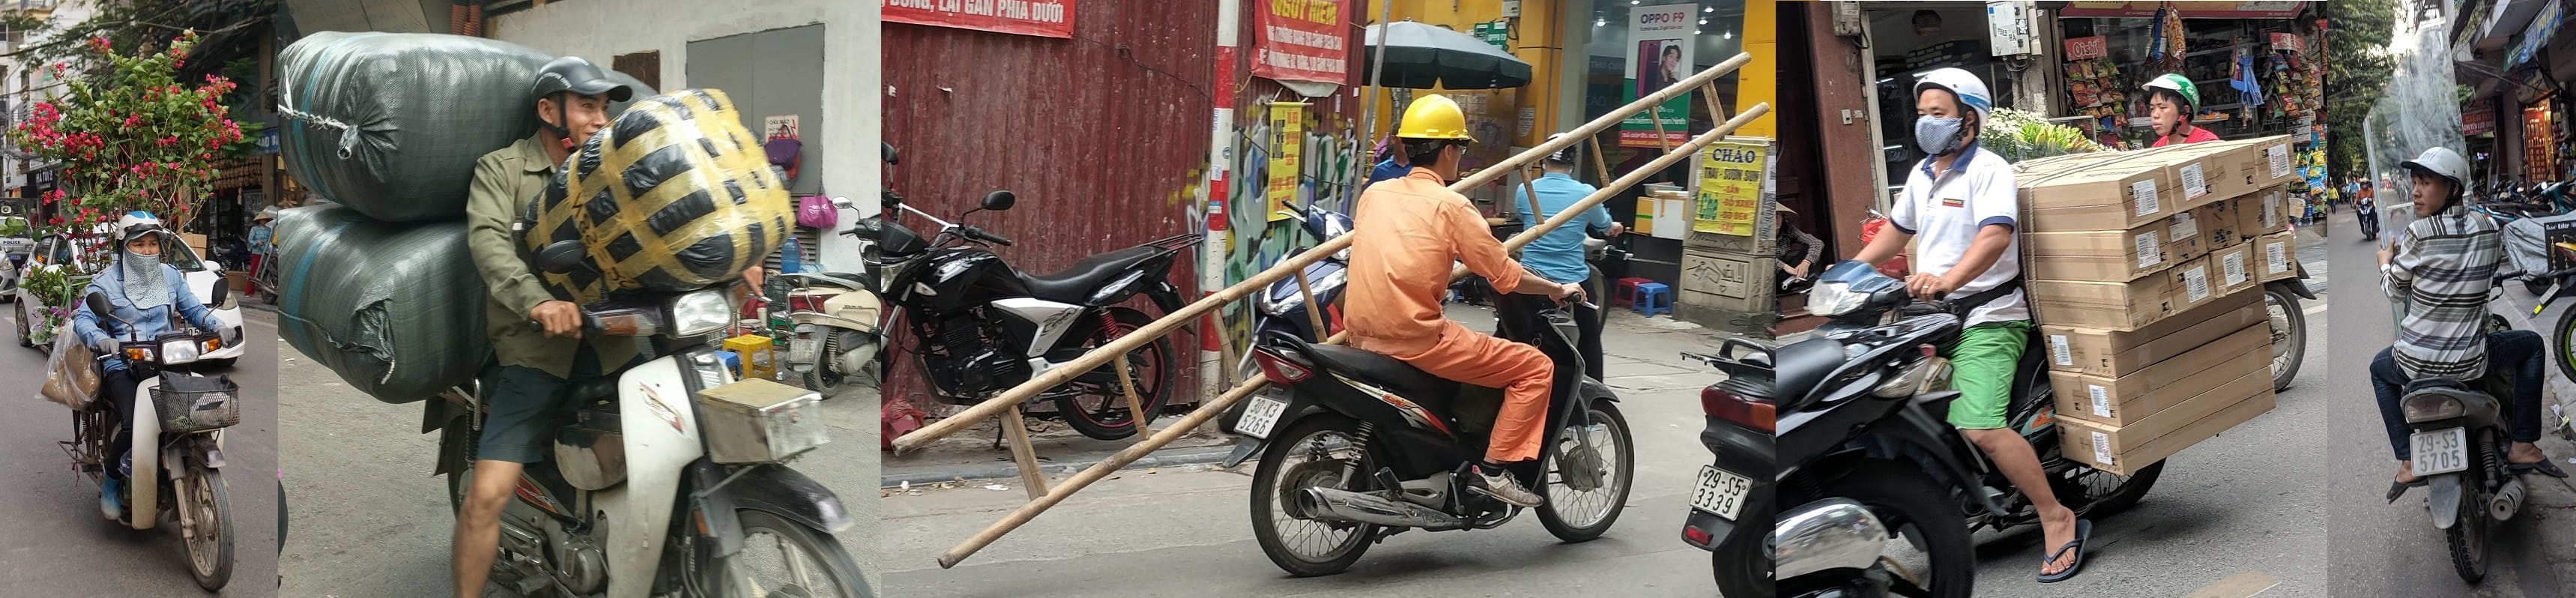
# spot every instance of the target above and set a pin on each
(1247, 447)
(2446, 489)
(773, 489)
(819, 319)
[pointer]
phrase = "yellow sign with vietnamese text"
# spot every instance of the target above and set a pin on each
(1731, 186)
(1288, 122)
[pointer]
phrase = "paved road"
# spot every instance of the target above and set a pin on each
(1134, 534)
(57, 545)
(373, 488)
(2384, 549)
(2233, 515)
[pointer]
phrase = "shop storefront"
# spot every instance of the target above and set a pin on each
(2259, 69)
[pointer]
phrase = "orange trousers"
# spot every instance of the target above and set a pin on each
(1480, 359)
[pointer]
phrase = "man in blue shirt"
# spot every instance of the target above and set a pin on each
(1558, 255)
(1390, 165)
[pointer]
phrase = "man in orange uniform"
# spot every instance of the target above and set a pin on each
(1408, 232)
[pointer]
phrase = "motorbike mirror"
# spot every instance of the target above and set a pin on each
(98, 304)
(889, 152)
(223, 290)
(559, 257)
(999, 200)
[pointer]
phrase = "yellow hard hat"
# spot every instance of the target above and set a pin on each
(1433, 116)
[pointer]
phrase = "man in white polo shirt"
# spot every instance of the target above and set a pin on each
(1960, 210)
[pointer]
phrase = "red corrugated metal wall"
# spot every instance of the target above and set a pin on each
(1104, 136)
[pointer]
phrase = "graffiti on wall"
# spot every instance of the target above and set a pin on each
(1331, 170)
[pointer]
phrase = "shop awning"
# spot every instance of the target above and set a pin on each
(2264, 9)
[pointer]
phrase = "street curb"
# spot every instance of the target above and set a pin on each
(1173, 458)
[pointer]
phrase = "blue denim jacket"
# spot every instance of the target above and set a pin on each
(148, 323)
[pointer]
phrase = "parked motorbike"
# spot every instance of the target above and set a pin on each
(1363, 447)
(670, 479)
(1867, 455)
(1282, 306)
(981, 326)
(1738, 486)
(177, 441)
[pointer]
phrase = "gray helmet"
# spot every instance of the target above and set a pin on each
(571, 73)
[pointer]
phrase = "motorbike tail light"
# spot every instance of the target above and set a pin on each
(1279, 369)
(804, 303)
(1696, 535)
(1756, 413)
(2432, 407)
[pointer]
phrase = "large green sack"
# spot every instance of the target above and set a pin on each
(390, 124)
(395, 309)
(675, 195)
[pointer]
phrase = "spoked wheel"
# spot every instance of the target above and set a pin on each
(2095, 493)
(1101, 410)
(1320, 451)
(1587, 480)
(2566, 345)
(779, 559)
(207, 529)
(1929, 552)
(2289, 335)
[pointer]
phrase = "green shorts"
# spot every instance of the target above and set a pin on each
(1982, 362)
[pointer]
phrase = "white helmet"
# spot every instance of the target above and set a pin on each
(1563, 155)
(135, 223)
(1970, 90)
(2442, 162)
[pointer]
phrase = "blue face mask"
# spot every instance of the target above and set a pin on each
(1938, 136)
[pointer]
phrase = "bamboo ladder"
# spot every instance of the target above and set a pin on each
(1043, 496)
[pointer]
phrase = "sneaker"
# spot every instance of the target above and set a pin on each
(1500, 485)
(111, 499)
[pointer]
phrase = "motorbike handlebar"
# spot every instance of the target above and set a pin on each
(589, 324)
(980, 234)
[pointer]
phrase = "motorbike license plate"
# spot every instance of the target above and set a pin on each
(1720, 492)
(800, 350)
(2441, 451)
(1261, 416)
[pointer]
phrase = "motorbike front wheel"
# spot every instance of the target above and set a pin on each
(1577, 515)
(2566, 345)
(208, 532)
(779, 557)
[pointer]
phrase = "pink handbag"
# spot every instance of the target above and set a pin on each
(815, 211)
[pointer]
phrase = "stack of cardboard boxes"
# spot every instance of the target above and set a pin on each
(2145, 271)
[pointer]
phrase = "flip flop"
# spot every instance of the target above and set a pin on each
(2542, 467)
(2397, 489)
(2083, 531)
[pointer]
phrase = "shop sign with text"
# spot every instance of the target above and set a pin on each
(1042, 18)
(1302, 40)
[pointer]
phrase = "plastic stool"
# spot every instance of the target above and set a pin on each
(759, 360)
(1626, 292)
(1653, 297)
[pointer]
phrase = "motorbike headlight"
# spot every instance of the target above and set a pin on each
(179, 351)
(700, 312)
(1834, 298)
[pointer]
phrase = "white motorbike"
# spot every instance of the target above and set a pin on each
(177, 441)
(669, 481)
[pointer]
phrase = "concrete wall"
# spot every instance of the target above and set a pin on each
(851, 106)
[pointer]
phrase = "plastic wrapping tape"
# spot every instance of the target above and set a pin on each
(674, 195)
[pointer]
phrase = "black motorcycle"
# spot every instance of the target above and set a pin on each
(1363, 447)
(1866, 454)
(1737, 487)
(980, 326)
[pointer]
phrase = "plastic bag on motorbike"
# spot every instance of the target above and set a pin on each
(673, 196)
(71, 375)
(2531, 244)
(396, 310)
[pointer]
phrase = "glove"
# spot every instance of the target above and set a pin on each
(231, 336)
(104, 345)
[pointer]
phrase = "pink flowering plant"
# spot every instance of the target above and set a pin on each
(131, 137)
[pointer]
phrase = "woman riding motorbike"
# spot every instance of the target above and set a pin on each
(138, 287)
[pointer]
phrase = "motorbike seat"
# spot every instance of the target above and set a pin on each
(1433, 392)
(1075, 283)
(585, 391)
(1803, 364)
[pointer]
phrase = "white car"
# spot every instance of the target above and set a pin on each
(58, 251)
(14, 245)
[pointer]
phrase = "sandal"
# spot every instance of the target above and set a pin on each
(2083, 531)
(2542, 467)
(2397, 489)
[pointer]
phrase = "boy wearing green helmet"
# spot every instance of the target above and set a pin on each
(2171, 101)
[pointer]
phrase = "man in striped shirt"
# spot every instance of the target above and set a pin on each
(2440, 272)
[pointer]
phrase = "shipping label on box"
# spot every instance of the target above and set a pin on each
(2103, 256)
(2265, 212)
(2125, 449)
(2111, 353)
(2238, 270)
(2138, 395)
(2194, 284)
(2278, 255)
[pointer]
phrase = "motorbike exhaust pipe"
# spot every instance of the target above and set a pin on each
(1330, 504)
(2507, 501)
(1834, 533)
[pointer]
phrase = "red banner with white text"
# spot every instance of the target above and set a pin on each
(1043, 18)
(1302, 40)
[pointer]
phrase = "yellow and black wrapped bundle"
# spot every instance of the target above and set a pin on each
(673, 196)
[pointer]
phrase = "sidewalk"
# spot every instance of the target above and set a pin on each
(1640, 354)
(2550, 509)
